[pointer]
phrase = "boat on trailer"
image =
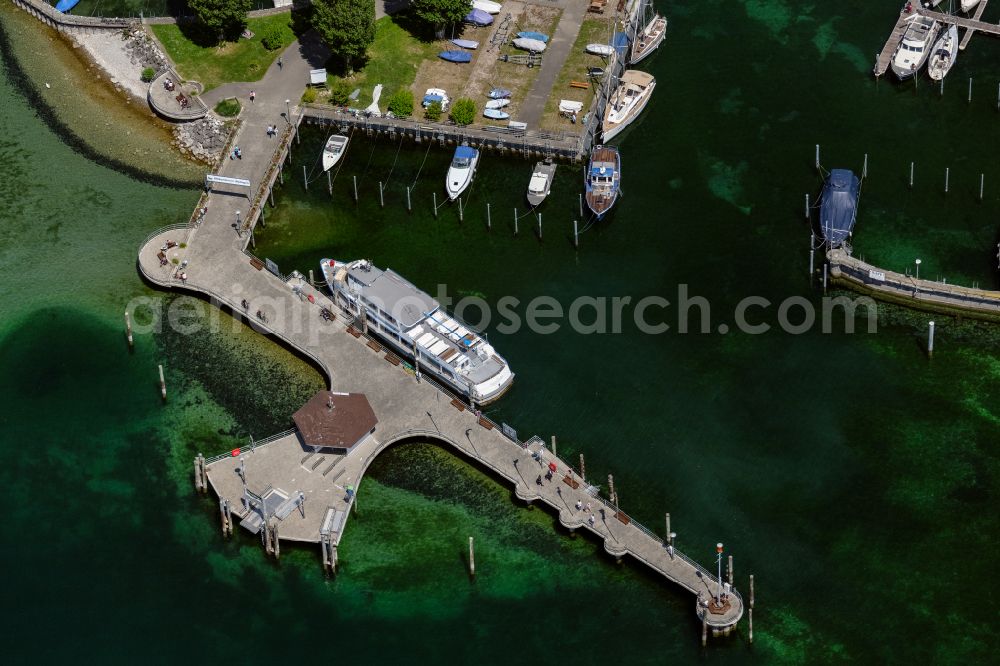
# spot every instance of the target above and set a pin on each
(417, 328)
(649, 39)
(335, 148)
(602, 180)
(838, 208)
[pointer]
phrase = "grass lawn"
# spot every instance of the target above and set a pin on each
(393, 60)
(245, 60)
(592, 31)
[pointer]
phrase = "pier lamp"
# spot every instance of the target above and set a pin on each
(288, 111)
(718, 595)
(917, 262)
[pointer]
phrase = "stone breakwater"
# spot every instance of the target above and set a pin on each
(204, 139)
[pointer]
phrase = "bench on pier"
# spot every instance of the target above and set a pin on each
(458, 404)
(597, 6)
(579, 84)
(256, 263)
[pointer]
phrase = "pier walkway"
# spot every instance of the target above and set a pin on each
(909, 291)
(214, 263)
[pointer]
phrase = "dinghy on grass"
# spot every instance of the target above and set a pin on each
(478, 17)
(495, 114)
(526, 44)
(499, 93)
(487, 6)
(456, 56)
(528, 34)
(600, 49)
(497, 103)
(470, 44)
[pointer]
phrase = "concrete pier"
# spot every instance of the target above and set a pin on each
(281, 474)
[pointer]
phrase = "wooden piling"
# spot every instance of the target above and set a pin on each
(947, 174)
(970, 90)
(729, 570)
(472, 558)
(704, 628)
(751, 608)
(583, 469)
(807, 206)
(576, 236)
(355, 188)
(554, 447)
(539, 226)
(580, 197)
(381, 197)
(277, 544)
(982, 182)
(826, 271)
(434, 194)
(611, 491)
(489, 221)
(222, 516)
(817, 157)
(329, 184)
(305, 178)
(197, 474)
(812, 256)
(409, 207)
(515, 222)
(128, 326)
(864, 169)
(163, 385)
(461, 216)
(911, 175)
(270, 193)
(930, 339)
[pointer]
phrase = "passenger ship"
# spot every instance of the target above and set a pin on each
(416, 327)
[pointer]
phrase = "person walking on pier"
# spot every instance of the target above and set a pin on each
(253, 95)
(246, 306)
(280, 63)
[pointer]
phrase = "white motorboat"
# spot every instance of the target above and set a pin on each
(967, 5)
(487, 6)
(335, 148)
(915, 47)
(461, 171)
(541, 182)
(943, 54)
(649, 39)
(627, 102)
(415, 326)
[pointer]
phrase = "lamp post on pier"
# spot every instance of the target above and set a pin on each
(288, 111)
(917, 262)
(718, 594)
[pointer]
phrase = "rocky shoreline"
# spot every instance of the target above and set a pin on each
(122, 55)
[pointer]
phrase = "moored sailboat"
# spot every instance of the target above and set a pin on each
(648, 39)
(627, 102)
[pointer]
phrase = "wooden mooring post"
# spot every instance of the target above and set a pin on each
(580, 197)
(751, 608)
(515, 222)
(817, 157)
(461, 215)
(305, 178)
(554, 446)
(911, 175)
(355, 188)
(729, 570)
(435, 201)
(930, 339)
(472, 558)
(329, 184)
(807, 206)
(128, 330)
(381, 196)
(583, 469)
(947, 175)
(982, 182)
(539, 226)
(409, 206)
(489, 221)
(576, 236)
(163, 384)
(970, 90)
(812, 256)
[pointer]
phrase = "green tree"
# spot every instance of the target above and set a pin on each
(464, 111)
(221, 18)
(401, 103)
(346, 26)
(433, 111)
(340, 92)
(439, 13)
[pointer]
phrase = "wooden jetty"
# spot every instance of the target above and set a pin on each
(970, 25)
(282, 490)
(566, 146)
(908, 290)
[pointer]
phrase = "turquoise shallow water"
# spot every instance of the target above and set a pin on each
(854, 478)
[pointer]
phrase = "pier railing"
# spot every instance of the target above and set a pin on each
(254, 445)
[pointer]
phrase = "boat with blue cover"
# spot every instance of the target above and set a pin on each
(461, 171)
(499, 93)
(838, 207)
(66, 5)
(456, 56)
(478, 17)
(529, 34)
(602, 180)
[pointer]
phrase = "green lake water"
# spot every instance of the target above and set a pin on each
(857, 480)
